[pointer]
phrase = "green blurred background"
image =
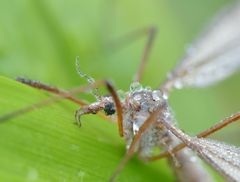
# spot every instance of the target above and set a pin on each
(41, 39)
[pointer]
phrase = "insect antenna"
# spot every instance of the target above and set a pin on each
(89, 79)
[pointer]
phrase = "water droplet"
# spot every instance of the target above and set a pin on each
(156, 95)
(135, 86)
(226, 157)
(135, 128)
(148, 88)
(178, 84)
(165, 96)
(167, 114)
(137, 97)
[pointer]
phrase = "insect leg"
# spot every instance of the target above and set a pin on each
(118, 106)
(57, 91)
(51, 89)
(50, 100)
(203, 134)
(133, 36)
(150, 120)
(219, 125)
(127, 38)
(151, 36)
(66, 95)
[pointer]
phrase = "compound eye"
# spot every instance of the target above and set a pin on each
(109, 109)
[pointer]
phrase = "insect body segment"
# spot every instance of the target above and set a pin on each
(144, 112)
(140, 103)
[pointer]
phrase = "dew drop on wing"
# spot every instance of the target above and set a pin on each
(214, 56)
(223, 157)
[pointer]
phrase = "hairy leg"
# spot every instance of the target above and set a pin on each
(57, 91)
(51, 89)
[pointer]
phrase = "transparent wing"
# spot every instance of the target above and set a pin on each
(222, 157)
(214, 56)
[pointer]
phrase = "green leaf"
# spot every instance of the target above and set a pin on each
(41, 39)
(45, 145)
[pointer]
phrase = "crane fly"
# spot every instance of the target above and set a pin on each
(144, 116)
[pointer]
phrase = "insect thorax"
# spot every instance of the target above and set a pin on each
(139, 103)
